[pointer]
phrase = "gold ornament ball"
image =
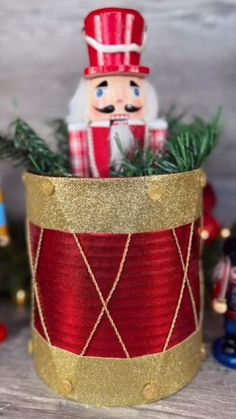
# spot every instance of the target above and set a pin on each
(21, 297)
(204, 234)
(225, 233)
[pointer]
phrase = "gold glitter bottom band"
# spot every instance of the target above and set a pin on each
(117, 382)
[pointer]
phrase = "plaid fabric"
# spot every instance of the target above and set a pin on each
(158, 140)
(79, 152)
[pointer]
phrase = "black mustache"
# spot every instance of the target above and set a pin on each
(131, 108)
(106, 109)
(111, 109)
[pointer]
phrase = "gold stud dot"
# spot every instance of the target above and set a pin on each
(203, 179)
(154, 192)
(30, 347)
(47, 188)
(150, 392)
(67, 386)
(203, 351)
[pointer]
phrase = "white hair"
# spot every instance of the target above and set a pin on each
(79, 104)
(152, 104)
(123, 134)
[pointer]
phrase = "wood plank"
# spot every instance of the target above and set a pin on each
(211, 395)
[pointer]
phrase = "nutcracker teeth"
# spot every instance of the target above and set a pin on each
(119, 117)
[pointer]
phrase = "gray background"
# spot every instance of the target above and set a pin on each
(191, 49)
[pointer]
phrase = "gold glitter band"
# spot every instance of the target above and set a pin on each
(117, 382)
(124, 205)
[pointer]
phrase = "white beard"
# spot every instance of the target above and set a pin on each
(124, 135)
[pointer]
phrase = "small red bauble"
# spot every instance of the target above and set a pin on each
(3, 332)
(209, 199)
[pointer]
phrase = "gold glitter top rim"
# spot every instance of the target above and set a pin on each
(114, 205)
(127, 179)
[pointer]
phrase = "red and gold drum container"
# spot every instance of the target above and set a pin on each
(117, 291)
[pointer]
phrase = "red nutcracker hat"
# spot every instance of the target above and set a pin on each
(115, 39)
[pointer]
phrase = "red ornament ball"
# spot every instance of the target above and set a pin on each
(3, 332)
(209, 199)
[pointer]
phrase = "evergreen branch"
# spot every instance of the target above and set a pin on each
(139, 163)
(28, 149)
(192, 146)
(10, 152)
(61, 135)
(188, 147)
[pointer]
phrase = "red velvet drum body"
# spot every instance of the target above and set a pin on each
(143, 303)
(117, 292)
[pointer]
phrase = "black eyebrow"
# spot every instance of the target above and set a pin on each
(133, 84)
(103, 84)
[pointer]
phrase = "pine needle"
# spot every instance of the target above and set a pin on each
(188, 147)
(61, 135)
(26, 148)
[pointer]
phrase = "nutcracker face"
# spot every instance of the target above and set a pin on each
(4, 241)
(116, 97)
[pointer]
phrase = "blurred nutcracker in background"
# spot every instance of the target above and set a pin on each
(4, 234)
(210, 230)
(114, 102)
(4, 241)
(224, 302)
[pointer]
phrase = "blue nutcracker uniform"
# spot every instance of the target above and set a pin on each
(4, 240)
(224, 291)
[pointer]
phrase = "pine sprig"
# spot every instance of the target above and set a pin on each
(191, 147)
(188, 147)
(9, 151)
(140, 163)
(27, 148)
(61, 135)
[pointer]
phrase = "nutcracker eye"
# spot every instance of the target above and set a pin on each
(136, 92)
(135, 89)
(101, 89)
(100, 92)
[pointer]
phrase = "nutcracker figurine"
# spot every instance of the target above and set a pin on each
(224, 302)
(4, 234)
(4, 241)
(114, 103)
(210, 230)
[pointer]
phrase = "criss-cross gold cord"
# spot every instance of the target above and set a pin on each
(35, 291)
(104, 303)
(187, 279)
(181, 290)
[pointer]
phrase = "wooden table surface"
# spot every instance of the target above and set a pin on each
(23, 395)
